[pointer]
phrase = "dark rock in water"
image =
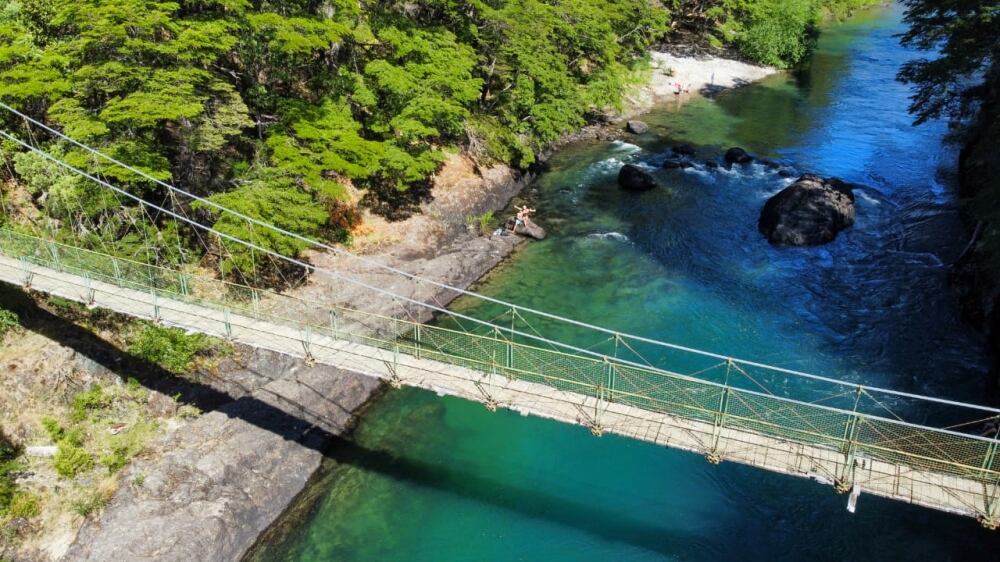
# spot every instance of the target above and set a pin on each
(770, 164)
(683, 149)
(636, 127)
(738, 156)
(685, 164)
(786, 173)
(634, 178)
(809, 212)
(527, 228)
(711, 164)
(674, 163)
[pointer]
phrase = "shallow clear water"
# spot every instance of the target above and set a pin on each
(441, 479)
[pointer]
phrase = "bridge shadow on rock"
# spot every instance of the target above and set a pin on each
(295, 422)
(291, 420)
(534, 503)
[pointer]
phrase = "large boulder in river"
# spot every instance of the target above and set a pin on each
(809, 212)
(738, 156)
(636, 127)
(634, 178)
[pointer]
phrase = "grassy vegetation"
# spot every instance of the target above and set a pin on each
(485, 223)
(94, 434)
(173, 349)
(8, 467)
(9, 322)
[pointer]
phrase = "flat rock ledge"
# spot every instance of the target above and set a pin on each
(224, 479)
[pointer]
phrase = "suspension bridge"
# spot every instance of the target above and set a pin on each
(923, 450)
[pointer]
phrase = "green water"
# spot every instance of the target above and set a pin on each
(438, 479)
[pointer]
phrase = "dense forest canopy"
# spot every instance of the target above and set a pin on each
(293, 111)
(779, 33)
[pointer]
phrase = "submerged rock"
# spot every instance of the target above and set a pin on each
(737, 155)
(683, 149)
(674, 163)
(809, 212)
(636, 127)
(711, 164)
(634, 178)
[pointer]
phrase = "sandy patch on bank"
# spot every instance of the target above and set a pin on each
(697, 74)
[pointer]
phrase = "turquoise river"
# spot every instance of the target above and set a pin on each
(434, 479)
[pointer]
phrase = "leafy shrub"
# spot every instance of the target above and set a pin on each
(71, 460)
(25, 505)
(8, 322)
(92, 503)
(8, 466)
(88, 401)
(126, 445)
(117, 458)
(170, 348)
(53, 428)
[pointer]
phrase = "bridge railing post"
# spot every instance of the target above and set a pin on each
(509, 360)
(54, 252)
(714, 456)
(26, 274)
(845, 481)
(255, 303)
(417, 329)
(333, 323)
(117, 269)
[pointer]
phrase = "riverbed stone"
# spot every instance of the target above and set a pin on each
(683, 149)
(738, 155)
(811, 211)
(634, 178)
(636, 127)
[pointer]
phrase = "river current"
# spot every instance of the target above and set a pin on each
(438, 479)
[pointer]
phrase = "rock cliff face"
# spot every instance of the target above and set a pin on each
(222, 481)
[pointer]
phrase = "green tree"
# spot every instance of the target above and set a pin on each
(288, 112)
(962, 83)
